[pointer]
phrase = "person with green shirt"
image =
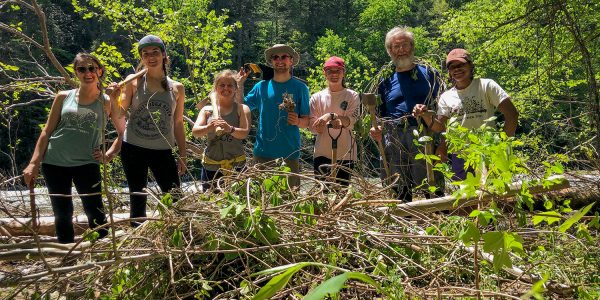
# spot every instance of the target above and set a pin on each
(68, 150)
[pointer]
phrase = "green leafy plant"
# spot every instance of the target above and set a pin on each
(329, 287)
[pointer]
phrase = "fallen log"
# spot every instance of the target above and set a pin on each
(451, 203)
(16, 226)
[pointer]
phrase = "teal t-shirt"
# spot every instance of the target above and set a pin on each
(77, 134)
(274, 137)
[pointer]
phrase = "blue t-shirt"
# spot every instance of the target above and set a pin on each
(274, 137)
(403, 90)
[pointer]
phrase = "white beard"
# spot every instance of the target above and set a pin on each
(403, 63)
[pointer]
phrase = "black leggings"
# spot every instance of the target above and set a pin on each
(136, 161)
(343, 176)
(209, 178)
(87, 181)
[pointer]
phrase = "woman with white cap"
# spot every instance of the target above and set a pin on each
(155, 125)
(333, 112)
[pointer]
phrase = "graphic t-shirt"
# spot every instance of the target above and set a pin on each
(150, 124)
(343, 103)
(77, 134)
(474, 104)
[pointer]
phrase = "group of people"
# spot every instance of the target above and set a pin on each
(148, 116)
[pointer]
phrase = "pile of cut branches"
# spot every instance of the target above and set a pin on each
(258, 239)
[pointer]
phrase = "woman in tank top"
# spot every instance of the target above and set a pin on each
(225, 150)
(154, 127)
(69, 149)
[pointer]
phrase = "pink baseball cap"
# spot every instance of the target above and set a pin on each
(334, 62)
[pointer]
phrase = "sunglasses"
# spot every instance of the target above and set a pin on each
(82, 70)
(277, 57)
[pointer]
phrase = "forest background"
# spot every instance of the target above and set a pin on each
(544, 53)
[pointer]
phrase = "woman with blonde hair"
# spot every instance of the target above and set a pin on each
(225, 128)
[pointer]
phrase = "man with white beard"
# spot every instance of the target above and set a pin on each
(409, 85)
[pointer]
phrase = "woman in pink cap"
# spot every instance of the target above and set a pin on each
(333, 112)
(472, 100)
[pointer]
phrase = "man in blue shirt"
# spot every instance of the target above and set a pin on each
(410, 84)
(278, 133)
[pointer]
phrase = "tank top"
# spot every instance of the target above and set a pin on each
(150, 124)
(77, 134)
(224, 147)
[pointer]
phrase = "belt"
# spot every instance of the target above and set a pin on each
(226, 164)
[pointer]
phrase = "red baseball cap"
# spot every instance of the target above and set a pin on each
(334, 62)
(458, 54)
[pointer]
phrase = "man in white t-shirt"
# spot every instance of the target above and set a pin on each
(472, 100)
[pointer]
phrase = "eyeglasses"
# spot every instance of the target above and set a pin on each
(277, 57)
(82, 70)
(399, 46)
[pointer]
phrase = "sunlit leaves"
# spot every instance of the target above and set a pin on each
(193, 34)
(329, 287)
(575, 218)
(549, 217)
(501, 244)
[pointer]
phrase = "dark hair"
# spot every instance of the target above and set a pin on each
(81, 56)
(472, 72)
(165, 66)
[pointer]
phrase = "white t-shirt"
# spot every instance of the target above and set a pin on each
(473, 104)
(343, 103)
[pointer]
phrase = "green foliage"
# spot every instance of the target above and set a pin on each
(113, 61)
(488, 152)
(537, 289)
(501, 244)
(196, 37)
(575, 218)
(359, 69)
(278, 282)
(335, 284)
(376, 19)
(535, 50)
(329, 287)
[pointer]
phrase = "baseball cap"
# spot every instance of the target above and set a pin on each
(458, 54)
(151, 40)
(334, 62)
